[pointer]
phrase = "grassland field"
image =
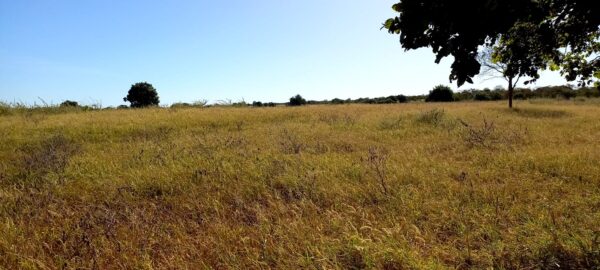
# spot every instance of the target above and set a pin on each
(467, 185)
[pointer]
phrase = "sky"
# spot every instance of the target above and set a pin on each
(92, 51)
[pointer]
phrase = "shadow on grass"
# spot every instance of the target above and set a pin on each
(537, 113)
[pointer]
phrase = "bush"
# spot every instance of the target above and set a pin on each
(257, 104)
(337, 101)
(181, 105)
(297, 101)
(433, 117)
(69, 103)
(440, 93)
(142, 95)
(398, 99)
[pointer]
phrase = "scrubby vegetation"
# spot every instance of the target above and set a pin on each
(440, 93)
(297, 100)
(417, 186)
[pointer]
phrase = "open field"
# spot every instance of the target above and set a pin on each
(408, 186)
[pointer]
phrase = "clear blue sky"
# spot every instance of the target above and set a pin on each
(93, 50)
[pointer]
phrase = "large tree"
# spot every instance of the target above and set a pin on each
(141, 95)
(528, 35)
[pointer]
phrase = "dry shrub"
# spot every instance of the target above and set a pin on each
(487, 135)
(290, 143)
(351, 258)
(390, 123)
(158, 134)
(333, 119)
(377, 162)
(433, 117)
(48, 156)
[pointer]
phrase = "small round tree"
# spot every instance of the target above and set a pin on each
(69, 103)
(141, 95)
(440, 93)
(297, 100)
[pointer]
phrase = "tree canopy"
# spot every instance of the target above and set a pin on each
(297, 100)
(528, 35)
(440, 93)
(142, 94)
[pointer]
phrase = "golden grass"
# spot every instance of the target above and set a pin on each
(469, 185)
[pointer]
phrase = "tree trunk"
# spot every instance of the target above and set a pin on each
(510, 92)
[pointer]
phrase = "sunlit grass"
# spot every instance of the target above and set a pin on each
(410, 186)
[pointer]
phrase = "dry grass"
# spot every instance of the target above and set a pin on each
(321, 187)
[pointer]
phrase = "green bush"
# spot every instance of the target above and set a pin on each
(440, 93)
(69, 103)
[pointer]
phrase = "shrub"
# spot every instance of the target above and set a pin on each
(48, 156)
(5, 108)
(257, 104)
(398, 99)
(433, 117)
(481, 96)
(440, 93)
(297, 100)
(181, 105)
(69, 103)
(141, 95)
(337, 101)
(200, 103)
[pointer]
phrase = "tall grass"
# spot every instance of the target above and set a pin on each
(320, 187)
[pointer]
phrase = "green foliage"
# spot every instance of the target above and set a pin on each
(69, 103)
(297, 100)
(440, 93)
(529, 36)
(141, 95)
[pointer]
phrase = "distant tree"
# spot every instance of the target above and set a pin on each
(297, 100)
(180, 105)
(529, 35)
(69, 103)
(398, 99)
(121, 107)
(337, 101)
(257, 104)
(491, 67)
(142, 94)
(440, 93)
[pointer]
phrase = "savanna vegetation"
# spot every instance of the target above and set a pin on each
(399, 186)
(423, 185)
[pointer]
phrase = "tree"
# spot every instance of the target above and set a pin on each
(69, 103)
(297, 100)
(530, 35)
(440, 93)
(491, 67)
(141, 95)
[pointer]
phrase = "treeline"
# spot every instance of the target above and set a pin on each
(439, 93)
(445, 94)
(564, 92)
(377, 100)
